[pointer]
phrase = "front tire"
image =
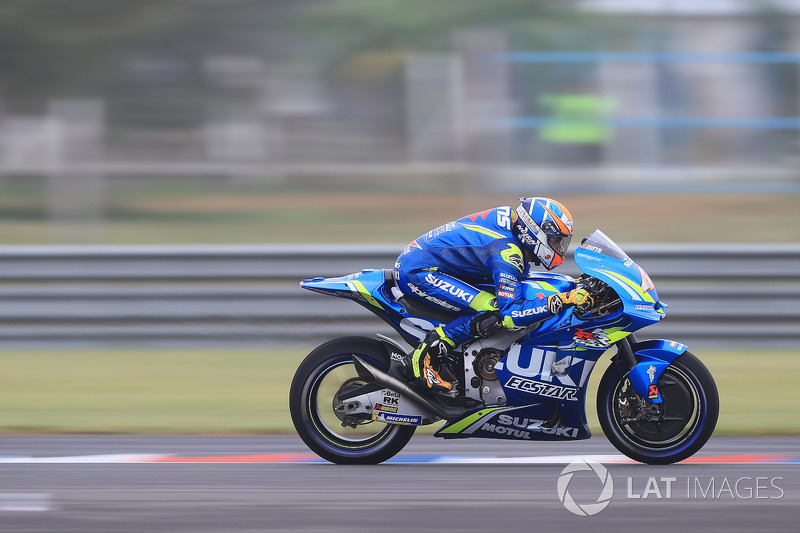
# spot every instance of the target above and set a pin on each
(663, 433)
(319, 377)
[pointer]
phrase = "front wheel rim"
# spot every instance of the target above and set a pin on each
(679, 419)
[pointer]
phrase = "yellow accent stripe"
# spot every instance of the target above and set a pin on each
(616, 334)
(415, 359)
(362, 290)
(439, 331)
(483, 301)
(461, 425)
(646, 297)
(511, 251)
(483, 230)
(508, 323)
(542, 285)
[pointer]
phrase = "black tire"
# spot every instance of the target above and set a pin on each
(311, 398)
(686, 419)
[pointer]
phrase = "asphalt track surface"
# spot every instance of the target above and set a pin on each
(272, 483)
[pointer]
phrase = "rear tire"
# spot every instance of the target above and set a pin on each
(675, 429)
(312, 396)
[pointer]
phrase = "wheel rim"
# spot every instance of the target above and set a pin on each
(669, 425)
(320, 399)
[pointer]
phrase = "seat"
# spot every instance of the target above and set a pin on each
(413, 306)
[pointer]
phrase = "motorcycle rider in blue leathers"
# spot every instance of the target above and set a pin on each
(474, 267)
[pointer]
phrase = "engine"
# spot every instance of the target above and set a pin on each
(606, 301)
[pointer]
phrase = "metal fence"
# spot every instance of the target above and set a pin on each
(743, 295)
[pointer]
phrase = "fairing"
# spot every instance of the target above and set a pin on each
(544, 369)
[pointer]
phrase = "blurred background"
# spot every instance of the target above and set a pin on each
(158, 158)
(221, 121)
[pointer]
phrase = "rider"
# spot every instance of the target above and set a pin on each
(445, 267)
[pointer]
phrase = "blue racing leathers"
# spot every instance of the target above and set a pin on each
(470, 266)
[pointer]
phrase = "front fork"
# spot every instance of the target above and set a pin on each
(647, 360)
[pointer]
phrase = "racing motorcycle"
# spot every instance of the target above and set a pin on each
(351, 403)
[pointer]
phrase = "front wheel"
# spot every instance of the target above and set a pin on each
(660, 433)
(313, 399)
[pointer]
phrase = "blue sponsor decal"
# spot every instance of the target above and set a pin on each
(392, 418)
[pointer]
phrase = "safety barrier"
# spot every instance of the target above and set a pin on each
(743, 295)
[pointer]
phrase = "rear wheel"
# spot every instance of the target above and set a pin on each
(660, 433)
(313, 400)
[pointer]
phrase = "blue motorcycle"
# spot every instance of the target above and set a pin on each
(657, 403)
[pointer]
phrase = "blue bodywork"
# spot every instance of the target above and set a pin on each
(544, 373)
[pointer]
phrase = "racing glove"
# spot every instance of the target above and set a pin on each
(485, 324)
(578, 297)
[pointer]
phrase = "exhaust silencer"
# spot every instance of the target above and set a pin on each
(372, 374)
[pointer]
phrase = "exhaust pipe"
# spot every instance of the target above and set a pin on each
(372, 374)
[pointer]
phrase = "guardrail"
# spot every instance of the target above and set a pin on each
(719, 295)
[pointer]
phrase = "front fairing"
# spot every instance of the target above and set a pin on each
(600, 257)
(553, 361)
(567, 328)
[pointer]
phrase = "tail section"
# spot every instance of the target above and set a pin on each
(364, 287)
(377, 291)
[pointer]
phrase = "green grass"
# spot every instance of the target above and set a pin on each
(246, 391)
(153, 391)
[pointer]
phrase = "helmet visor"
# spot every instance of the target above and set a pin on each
(559, 243)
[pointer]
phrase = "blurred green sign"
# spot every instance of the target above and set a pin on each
(576, 119)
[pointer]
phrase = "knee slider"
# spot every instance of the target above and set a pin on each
(485, 324)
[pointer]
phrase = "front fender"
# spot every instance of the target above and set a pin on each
(654, 356)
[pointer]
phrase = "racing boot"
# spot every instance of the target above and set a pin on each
(420, 364)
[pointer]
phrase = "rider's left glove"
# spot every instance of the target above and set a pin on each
(578, 297)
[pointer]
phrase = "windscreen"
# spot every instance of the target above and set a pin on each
(602, 244)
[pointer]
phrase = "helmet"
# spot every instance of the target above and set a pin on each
(544, 228)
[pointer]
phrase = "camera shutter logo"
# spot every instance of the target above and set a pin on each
(587, 509)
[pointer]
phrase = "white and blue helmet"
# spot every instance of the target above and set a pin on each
(544, 228)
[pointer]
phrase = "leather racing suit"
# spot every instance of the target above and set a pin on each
(470, 266)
